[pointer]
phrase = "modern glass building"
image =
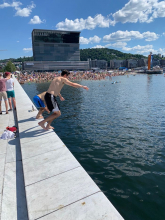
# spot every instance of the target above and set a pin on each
(55, 65)
(55, 45)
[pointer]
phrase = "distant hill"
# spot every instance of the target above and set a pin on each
(99, 54)
(21, 59)
(106, 54)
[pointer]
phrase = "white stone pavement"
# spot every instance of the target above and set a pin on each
(12, 190)
(56, 185)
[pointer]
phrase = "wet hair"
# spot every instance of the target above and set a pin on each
(65, 72)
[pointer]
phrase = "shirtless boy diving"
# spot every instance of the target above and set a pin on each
(54, 91)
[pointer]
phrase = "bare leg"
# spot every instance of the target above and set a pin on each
(39, 115)
(48, 126)
(14, 102)
(9, 100)
(6, 105)
(49, 120)
(0, 107)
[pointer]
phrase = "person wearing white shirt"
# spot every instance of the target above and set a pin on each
(10, 90)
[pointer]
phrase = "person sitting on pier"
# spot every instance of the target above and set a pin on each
(50, 97)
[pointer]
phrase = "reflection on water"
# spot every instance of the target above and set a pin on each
(117, 133)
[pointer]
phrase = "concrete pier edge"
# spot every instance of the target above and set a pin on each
(56, 185)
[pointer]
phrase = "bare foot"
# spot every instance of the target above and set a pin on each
(42, 125)
(49, 127)
(40, 117)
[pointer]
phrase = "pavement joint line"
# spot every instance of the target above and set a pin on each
(28, 141)
(4, 173)
(41, 153)
(69, 204)
(13, 161)
(52, 176)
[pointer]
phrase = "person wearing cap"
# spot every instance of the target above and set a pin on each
(10, 90)
(3, 93)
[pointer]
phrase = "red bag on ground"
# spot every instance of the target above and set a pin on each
(13, 129)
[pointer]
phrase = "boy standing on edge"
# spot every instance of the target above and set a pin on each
(50, 97)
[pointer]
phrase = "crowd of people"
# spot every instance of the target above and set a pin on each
(38, 77)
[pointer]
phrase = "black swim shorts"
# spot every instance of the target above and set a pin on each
(51, 102)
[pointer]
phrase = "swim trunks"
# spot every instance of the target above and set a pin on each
(10, 94)
(51, 102)
(38, 102)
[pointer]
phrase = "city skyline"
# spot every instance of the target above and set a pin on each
(134, 26)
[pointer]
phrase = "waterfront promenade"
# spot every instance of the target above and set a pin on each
(40, 178)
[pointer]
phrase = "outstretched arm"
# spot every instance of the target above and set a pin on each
(76, 85)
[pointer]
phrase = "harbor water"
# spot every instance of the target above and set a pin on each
(117, 132)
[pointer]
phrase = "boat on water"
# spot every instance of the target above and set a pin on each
(154, 71)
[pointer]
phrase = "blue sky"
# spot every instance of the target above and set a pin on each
(131, 26)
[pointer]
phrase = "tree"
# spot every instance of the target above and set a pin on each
(10, 67)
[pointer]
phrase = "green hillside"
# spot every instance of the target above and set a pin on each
(99, 54)
(106, 54)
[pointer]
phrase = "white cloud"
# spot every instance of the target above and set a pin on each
(117, 45)
(145, 50)
(27, 49)
(150, 36)
(24, 12)
(164, 34)
(140, 10)
(36, 20)
(129, 35)
(84, 40)
(81, 24)
(94, 39)
(98, 46)
(14, 4)
(134, 11)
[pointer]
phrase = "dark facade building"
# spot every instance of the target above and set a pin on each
(162, 63)
(101, 64)
(142, 62)
(132, 63)
(55, 65)
(55, 45)
(115, 64)
(55, 50)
